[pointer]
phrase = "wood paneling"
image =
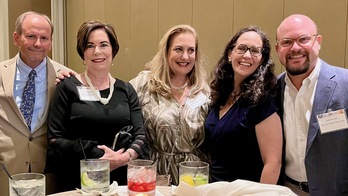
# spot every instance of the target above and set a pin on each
(261, 14)
(144, 34)
(16, 8)
(173, 13)
(94, 10)
(141, 24)
(75, 17)
(118, 14)
(346, 44)
(331, 19)
(214, 23)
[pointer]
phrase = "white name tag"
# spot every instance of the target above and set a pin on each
(332, 121)
(197, 101)
(86, 94)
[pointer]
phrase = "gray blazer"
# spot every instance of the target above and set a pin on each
(326, 158)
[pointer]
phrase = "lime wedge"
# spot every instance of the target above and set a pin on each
(86, 181)
(200, 180)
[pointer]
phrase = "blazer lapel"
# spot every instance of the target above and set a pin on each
(51, 85)
(324, 90)
(8, 81)
(281, 90)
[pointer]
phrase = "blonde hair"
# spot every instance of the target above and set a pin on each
(159, 80)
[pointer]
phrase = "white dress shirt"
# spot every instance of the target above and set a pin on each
(297, 113)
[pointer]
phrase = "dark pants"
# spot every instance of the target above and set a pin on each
(295, 189)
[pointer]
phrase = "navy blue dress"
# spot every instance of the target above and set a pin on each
(231, 141)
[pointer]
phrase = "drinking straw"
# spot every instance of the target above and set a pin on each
(8, 174)
(83, 150)
(154, 161)
(197, 168)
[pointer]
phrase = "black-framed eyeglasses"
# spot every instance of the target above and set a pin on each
(242, 48)
(303, 40)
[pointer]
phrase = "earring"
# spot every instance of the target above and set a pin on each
(84, 63)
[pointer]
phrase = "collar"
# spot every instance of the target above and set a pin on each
(311, 79)
(24, 69)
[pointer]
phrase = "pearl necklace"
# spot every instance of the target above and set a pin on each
(180, 89)
(102, 100)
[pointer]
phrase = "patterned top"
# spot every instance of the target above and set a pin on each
(171, 127)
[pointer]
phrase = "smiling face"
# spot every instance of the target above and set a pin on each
(182, 53)
(245, 64)
(35, 41)
(298, 58)
(98, 52)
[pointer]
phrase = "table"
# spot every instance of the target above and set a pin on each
(164, 190)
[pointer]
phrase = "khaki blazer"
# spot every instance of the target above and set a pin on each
(26, 152)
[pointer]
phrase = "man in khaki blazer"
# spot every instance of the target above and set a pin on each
(6, 147)
(33, 36)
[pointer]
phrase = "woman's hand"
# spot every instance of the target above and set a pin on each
(62, 74)
(117, 159)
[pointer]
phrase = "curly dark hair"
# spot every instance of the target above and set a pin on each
(259, 84)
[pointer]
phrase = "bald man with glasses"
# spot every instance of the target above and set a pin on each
(313, 101)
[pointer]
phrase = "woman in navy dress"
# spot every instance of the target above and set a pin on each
(243, 129)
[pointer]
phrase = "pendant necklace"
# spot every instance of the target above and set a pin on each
(231, 103)
(101, 99)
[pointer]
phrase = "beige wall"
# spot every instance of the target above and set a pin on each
(16, 8)
(140, 24)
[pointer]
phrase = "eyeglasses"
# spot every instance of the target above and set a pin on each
(303, 40)
(242, 48)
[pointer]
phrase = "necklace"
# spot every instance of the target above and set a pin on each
(180, 89)
(231, 103)
(102, 100)
(223, 114)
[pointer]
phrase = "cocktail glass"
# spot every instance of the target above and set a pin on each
(141, 175)
(194, 173)
(26, 184)
(95, 175)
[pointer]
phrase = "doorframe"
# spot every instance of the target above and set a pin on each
(59, 23)
(58, 17)
(4, 37)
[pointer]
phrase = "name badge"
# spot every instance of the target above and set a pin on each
(86, 94)
(197, 101)
(332, 121)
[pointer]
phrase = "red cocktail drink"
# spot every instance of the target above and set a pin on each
(141, 175)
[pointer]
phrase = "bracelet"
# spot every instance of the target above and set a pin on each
(130, 156)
